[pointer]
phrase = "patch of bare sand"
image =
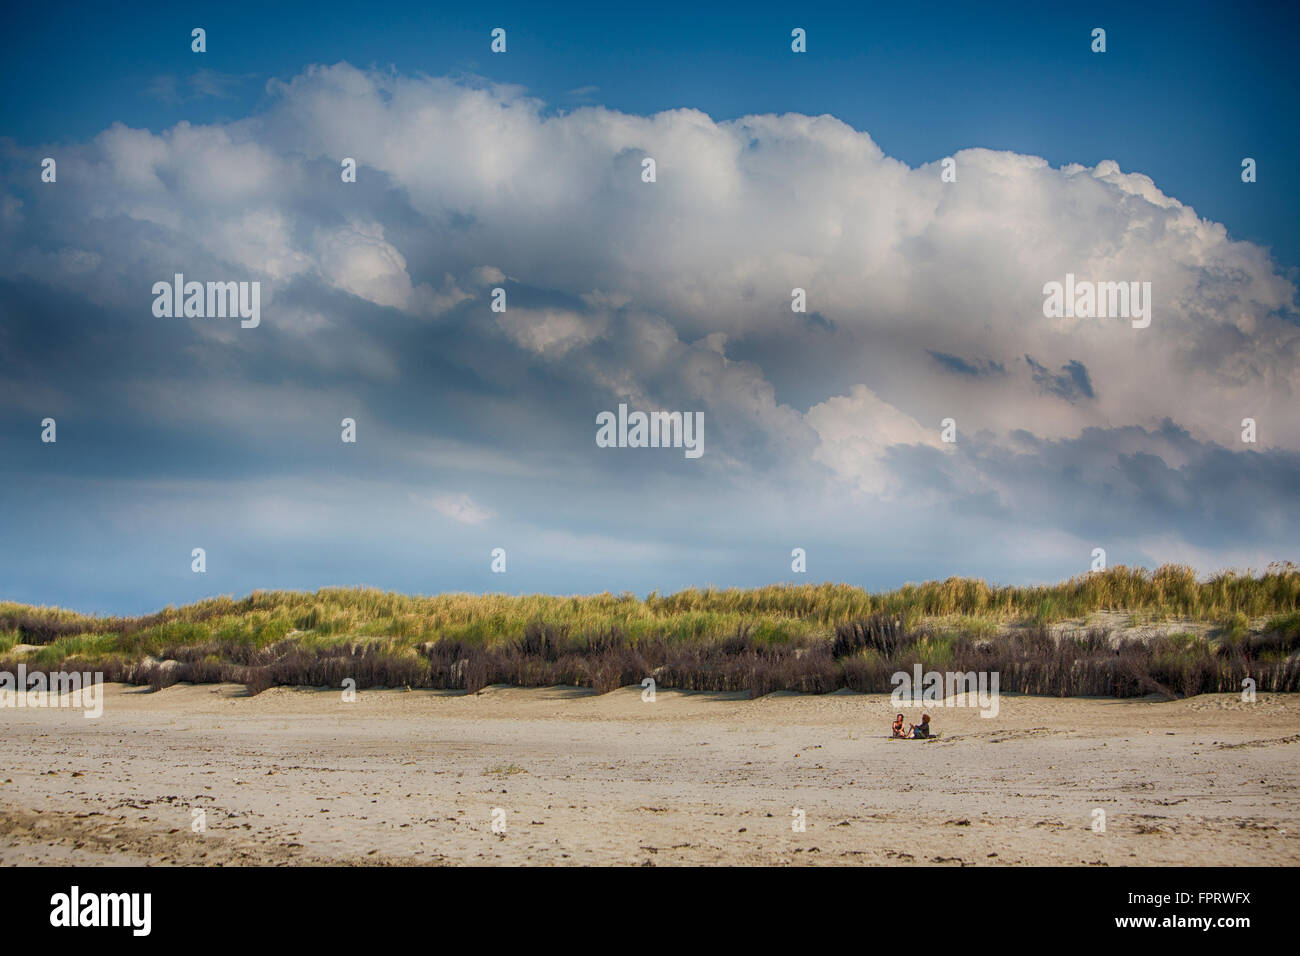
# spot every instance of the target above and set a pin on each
(297, 776)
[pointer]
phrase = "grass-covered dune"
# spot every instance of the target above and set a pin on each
(816, 638)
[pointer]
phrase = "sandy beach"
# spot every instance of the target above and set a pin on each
(298, 776)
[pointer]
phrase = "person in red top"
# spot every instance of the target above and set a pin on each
(898, 727)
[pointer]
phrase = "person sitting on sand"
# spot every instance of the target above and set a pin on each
(922, 730)
(898, 727)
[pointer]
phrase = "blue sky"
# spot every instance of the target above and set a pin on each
(476, 429)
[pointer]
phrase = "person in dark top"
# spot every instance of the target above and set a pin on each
(898, 727)
(922, 730)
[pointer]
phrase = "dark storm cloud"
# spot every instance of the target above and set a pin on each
(1071, 383)
(974, 368)
(1122, 483)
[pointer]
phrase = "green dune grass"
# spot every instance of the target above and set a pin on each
(798, 637)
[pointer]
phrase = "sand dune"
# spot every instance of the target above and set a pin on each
(297, 776)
